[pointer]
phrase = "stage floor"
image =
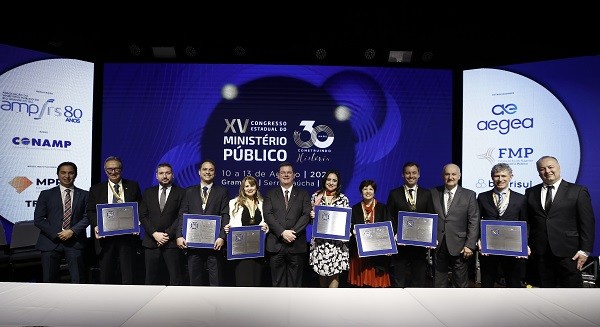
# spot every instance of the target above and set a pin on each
(39, 304)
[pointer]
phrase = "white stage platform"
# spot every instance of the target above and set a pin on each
(38, 304)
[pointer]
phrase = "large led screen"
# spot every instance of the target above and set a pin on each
(365, 122)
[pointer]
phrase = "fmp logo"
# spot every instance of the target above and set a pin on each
(20, 183)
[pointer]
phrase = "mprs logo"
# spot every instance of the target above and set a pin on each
(36, 142)
(72, 115)
(504, 125)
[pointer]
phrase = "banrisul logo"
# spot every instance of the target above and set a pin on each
(504, 120)
(39, 110)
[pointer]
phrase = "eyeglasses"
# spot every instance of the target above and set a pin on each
(113, 170)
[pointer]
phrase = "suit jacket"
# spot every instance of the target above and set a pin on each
(216, 204)
(295, 217)
(461, 224)
(153, 220)
(99, 195)
(48, 217)
(568, 227)
(515, 211)
(397, 202)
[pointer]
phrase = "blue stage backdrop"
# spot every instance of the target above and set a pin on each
(365, 122)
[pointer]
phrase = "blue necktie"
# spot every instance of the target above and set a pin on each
(115, 194)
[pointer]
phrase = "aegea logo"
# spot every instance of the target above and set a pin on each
(504, 125)
(41, 142)
(72, 115)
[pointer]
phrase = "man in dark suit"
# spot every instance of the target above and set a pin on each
(287, 212)
(60, 216)
(121, 247)
(159, 211)
(409, 197)
(562, 226)
(501, 203)
(205, 199)
(457, 230)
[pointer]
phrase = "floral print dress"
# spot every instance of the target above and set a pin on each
(329, 257)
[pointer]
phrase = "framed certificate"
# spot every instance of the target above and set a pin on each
(502, 237)
(201, 231)
(375, 239)
(118, 218)
(332, 223)
(416, 228)
(245, 242)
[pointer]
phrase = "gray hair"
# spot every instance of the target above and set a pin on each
(501, 167)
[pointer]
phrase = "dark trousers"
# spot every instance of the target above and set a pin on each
(558, 271)
(248, 272)
(445, 262)
(413, 259)
(51, 264)
(214, 261)
(491, 265)
(121, 248)
(287, 269)
(170, 257)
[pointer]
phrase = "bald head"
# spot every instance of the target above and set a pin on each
(548, 169)
(451, 175)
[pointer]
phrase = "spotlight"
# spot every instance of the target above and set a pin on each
(321, 54)
(191, 51)
(239, 51)
(369, 54)
(427, 56)
(135, 50)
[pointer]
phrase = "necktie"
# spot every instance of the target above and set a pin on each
(287, 198)
(116, 194)
(411, 200)
(67, 212)
(449, 202)
(205, 193)
(548, 203)
(163, 198)
(500, 197)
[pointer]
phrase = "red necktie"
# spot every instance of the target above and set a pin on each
(67, 212)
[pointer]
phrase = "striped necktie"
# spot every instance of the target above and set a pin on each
(67, 210)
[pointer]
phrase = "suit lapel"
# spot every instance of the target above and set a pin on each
(537, 195)
(562, 191)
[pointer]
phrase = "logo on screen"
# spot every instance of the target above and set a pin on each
(22, 103)
(516, 156)
(504, 126)
(20, 183)
(36, 142)
(321, 136)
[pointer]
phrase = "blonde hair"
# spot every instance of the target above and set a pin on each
(242, 197)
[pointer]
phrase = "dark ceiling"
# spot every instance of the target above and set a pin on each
(440, 35)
